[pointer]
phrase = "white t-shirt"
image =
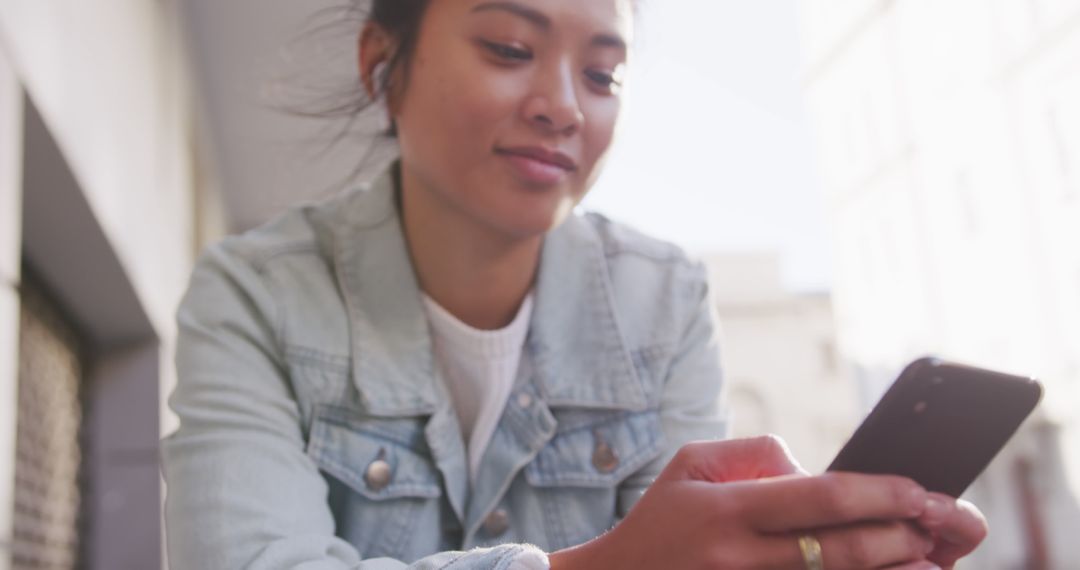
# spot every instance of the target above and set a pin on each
(479, 368)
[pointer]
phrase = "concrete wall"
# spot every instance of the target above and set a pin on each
(67, 249)
(122, 463)
(108, 82)
(10, 226)
(109, 88)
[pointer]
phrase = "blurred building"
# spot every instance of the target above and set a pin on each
(781, 364)
(98, 227)
(949, 135)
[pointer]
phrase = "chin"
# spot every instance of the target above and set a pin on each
(523, 225)
(519, 230)
(521, 212)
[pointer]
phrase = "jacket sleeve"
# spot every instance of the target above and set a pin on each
(241, 491)
(691, 405)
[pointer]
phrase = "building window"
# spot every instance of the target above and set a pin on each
(48, 454)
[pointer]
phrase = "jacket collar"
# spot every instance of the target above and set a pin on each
(579, 353)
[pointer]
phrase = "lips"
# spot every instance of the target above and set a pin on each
(538, 165)
(541, 154)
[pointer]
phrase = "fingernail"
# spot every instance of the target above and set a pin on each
(935, 511)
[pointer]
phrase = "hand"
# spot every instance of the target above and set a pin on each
(956, 527)
(753, 519)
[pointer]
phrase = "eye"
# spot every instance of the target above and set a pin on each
(507, 52)
(606, 80)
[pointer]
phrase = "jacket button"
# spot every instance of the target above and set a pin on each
(524, 400)
(497, 522)
(604, 459)
(378, 475)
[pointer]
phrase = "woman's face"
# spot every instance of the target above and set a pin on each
(511, 106)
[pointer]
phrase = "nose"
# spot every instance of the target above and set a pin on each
(553, 107)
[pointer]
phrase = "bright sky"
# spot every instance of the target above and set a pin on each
(715, 152)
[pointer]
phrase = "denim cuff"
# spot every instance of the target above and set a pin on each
(524, 557)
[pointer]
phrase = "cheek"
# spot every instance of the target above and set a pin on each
(494, 100)
(484, 107)
(470, 113)
(599, 133)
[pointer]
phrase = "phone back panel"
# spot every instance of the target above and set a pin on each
(940, 424)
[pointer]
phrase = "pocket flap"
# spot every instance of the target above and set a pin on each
(632, 439)
(345, 446)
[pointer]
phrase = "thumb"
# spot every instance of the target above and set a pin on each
(733, 460)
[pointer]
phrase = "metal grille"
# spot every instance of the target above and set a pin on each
(47, 452)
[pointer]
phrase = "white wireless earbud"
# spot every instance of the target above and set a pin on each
(379, 71)
(373, 84)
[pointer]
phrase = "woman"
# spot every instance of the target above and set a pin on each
(451, 369)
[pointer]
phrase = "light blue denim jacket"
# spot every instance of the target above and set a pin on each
(304, 356)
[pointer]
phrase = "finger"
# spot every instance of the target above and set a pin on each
(873, 545)
(733, 460)
(832, 499)
(867, 545)
(921, 565)
(957, 526)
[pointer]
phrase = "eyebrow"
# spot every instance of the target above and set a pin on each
(540, 20)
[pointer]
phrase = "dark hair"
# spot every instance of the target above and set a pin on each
(315, 78)
(401, 19)
(307, 91)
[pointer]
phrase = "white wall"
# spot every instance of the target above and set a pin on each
(110, 89)
(10, 192)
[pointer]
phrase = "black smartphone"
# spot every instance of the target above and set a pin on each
(940, 424)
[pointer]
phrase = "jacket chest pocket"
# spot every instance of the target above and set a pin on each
(577, 474)
(384, 488)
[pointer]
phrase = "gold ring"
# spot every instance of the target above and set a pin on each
(811, 552)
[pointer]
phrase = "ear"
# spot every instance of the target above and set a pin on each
(376, 48)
